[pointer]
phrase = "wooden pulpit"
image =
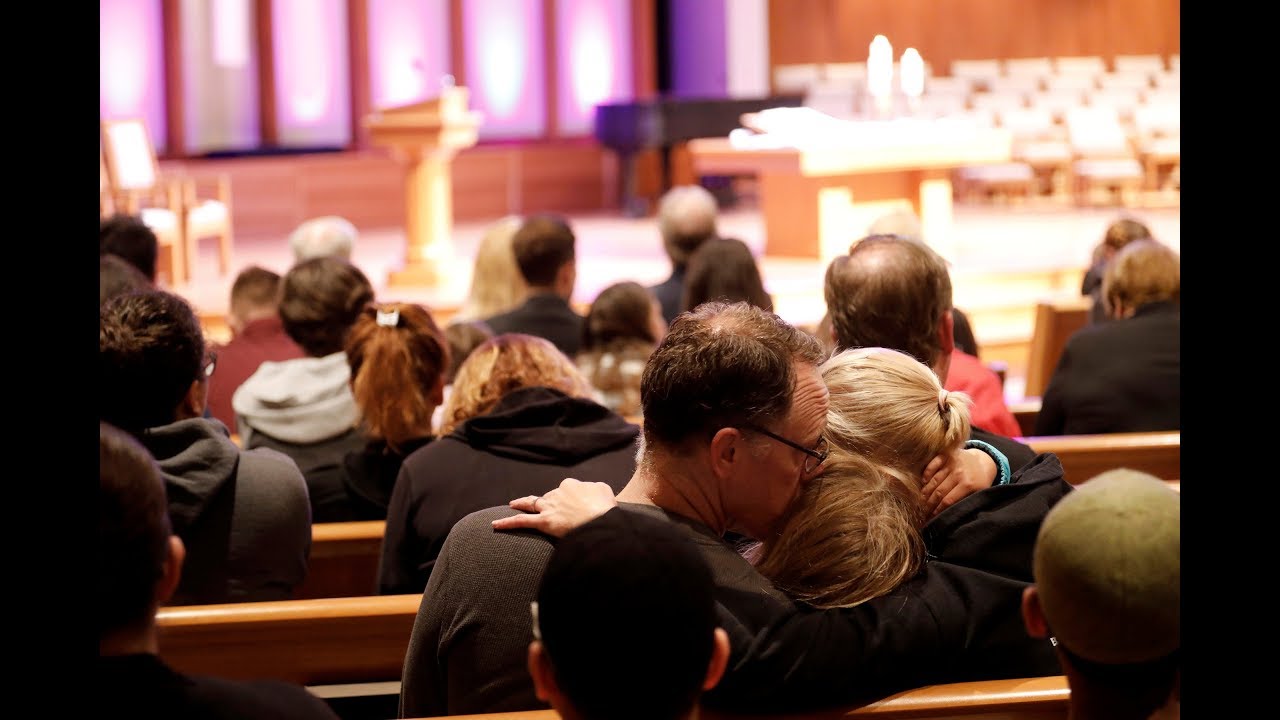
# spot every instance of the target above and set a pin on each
(424, 137)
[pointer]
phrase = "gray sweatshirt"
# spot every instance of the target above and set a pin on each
(244, 516)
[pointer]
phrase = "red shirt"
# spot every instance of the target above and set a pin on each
(969, 375)
(261, 340)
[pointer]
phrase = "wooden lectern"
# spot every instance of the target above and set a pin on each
(425, 136)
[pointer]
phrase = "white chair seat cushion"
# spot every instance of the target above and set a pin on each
(1043, 152)
(159, 219)
(1118, 169)
(1002, 172)
(1163, 146)
(208, 213)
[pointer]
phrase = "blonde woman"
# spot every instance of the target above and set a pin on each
(496, 283)
(520, 418)
(855, 533)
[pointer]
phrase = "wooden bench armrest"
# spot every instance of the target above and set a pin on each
(1085, 456)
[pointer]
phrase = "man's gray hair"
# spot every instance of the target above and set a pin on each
(323, 236)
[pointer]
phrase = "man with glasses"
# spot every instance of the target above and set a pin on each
(243, 515)
(734, 413)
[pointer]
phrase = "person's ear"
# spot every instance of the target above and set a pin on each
(544, 679)
(172, 572)
(436, 395)
(1033, 614)
(726, 446)
(947, 332)
(719, 658)
(194, 402)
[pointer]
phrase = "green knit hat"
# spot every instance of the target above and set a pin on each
(1108, 568)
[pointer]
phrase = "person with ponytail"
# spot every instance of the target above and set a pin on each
(398, 358)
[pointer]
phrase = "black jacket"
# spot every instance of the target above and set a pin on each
(546, 316)
(1119, 376)
(532, 440)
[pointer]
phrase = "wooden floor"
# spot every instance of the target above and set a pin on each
(1004, 258)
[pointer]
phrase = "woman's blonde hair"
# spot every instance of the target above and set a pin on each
(853, 533)
(505, 363)
(496, 283)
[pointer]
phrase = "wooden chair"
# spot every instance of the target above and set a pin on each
(1104, 157)
(158, 206)
(135, 173)
(978, 72)
(1040, 67)
(1056, 321)
(1089, 65)
(1157, 135)
(1138, 63)
(1085, 456)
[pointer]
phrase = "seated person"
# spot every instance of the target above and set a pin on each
(257, 336)
(724, 270)
(1108, 571)
(243, 515)
(322, 237)
(544, 250)
(398, 358)
(496, 283)
(520, 419)
(128, 237)
(139, 563)
(628, 566)
(686, 219)
(623, 327)
(1119, 233)
(304, 407)
(117, 276)
(1124, 375)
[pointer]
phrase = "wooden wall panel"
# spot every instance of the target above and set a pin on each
(271, 195)
(819, 31)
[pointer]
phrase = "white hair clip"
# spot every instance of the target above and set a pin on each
(389, 318)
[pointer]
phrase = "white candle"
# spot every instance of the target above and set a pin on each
(880, 67)
(912, 73)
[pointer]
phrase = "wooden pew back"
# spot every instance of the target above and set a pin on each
(344, 560)
(310, 642)
(364, 640)
(1045, 698)
(1084, 456)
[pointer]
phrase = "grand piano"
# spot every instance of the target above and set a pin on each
(631, 127)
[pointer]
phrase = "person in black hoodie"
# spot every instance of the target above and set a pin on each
(520, 418)
(398, 359)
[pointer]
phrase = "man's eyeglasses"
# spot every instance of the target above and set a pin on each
(815, 457)
(210, 363)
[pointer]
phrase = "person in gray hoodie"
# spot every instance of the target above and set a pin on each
(243, 515)
(304, 407)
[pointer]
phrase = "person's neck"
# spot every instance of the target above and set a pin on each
(536, 290)
(131, 641)
(665, 483)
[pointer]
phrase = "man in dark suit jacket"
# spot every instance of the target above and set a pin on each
(686, 218)
(1124, 375)
(544, 250)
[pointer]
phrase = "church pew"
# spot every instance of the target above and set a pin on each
(344, 560)
(309, 642)
(1085, 456)
(364, 640)
(1043, 698)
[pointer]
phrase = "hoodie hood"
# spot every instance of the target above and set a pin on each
(196, 459)
(303, 401)
(539, 424)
